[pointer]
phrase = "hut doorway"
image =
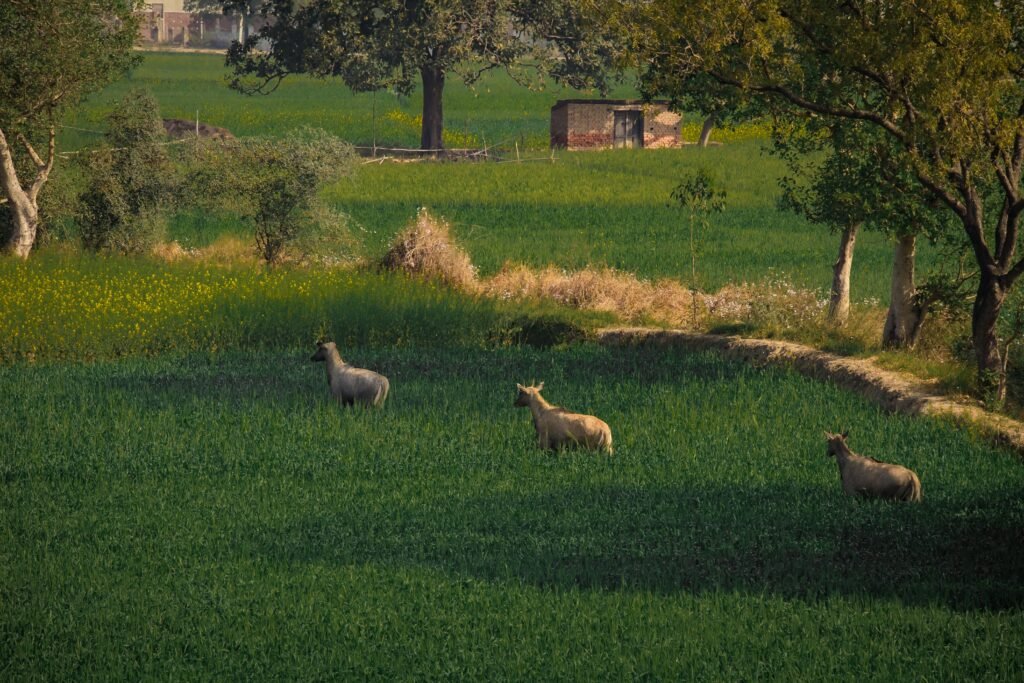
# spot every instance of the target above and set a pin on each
(628, 129)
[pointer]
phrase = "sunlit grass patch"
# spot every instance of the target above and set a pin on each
(84, 307)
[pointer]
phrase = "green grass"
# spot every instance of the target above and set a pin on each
(601, 209)
(496, 110)
(214, 516)
(85, 307)
(612, 208)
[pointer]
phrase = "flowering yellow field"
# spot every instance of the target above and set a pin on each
(83, 307)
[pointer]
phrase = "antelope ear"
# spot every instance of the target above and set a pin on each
(519, 386)
(828, 435)
(540, 386)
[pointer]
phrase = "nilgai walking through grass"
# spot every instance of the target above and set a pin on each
(350, 385)
(866, 476)
(557, 427)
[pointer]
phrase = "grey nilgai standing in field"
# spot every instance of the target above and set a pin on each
(866, 476)
(350, 385)
(557, 427)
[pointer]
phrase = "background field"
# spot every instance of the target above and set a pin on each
(215, 515)
(586, 208)
(495, 111)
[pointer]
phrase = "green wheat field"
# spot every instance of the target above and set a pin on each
(180, 500)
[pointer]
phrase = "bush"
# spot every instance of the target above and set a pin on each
(273, 184)
(131, 180)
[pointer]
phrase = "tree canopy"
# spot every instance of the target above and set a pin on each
(943, 80)
(52, 52)
(393, 44)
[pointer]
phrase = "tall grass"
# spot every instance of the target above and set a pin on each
(215, 516)
(82, 307)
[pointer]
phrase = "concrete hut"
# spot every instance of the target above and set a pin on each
(602, 124)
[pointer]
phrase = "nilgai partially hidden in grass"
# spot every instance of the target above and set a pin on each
(557, 427)
(865, 476)
(350, 385)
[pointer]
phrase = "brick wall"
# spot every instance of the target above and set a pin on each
(559, 126)
(590, 125)
(661, 127)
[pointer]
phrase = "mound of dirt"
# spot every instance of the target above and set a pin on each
(180, 128)
(893, 391)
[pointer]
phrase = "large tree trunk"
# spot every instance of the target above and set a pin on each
(25, 219)
(21, 202)
(984, 317)
(433, 113)
(839, 298)
(709, 125)
(903, 322)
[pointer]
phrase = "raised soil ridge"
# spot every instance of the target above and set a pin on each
(894, 391)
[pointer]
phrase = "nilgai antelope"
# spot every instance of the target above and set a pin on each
(868, 477)
(350, 385)
(557, 427)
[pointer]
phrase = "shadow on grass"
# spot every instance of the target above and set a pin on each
(795, 543)
(273, 378)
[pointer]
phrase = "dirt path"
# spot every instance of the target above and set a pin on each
(893, 391)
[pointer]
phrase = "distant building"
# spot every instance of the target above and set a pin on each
(596, 124)
(169, 23)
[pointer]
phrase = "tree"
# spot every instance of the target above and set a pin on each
(699, 197)
(943, 81)
(845, 175)
(274, 185)
(378, 44)
(52, 52)
(130, 180)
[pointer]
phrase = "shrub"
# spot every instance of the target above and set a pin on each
(273, 184)
(130, 180)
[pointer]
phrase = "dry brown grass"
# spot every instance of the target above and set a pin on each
(771, 308)
(169, 251)
(605, 289)
(224, 251)
(426, 248)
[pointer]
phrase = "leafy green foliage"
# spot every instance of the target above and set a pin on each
(53, 53)
(131, 180)
(392, 44)
(213, 515)
(273, 184)
(846, 173)
(942, 84)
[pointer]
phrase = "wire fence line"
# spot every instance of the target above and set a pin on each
(493, 153)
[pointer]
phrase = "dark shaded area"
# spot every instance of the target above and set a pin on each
(538, 331)
(695, 540)
(201, 377)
